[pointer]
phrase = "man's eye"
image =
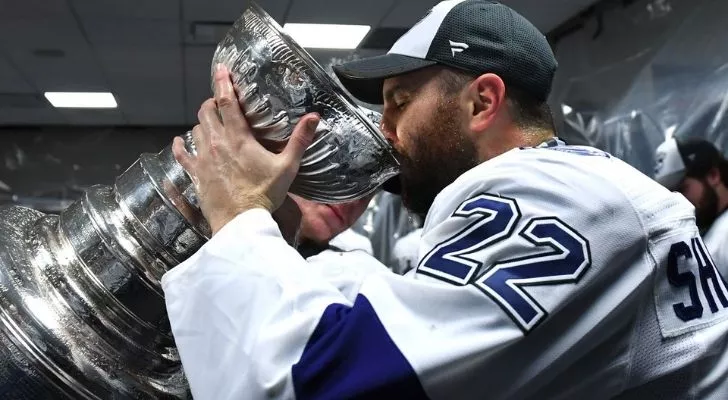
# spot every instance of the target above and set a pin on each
(400, 105)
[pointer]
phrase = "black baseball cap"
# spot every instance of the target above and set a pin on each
(472, 35)
(677, 159)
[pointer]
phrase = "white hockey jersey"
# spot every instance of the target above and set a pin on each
(716, 240)
(557, 272)
(352, 241)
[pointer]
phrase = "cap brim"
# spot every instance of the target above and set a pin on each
(364, 79)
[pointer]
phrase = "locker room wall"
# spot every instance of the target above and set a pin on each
(47, 168)
(652, 69)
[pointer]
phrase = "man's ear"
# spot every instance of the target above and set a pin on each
(487, 94)
(713, 177)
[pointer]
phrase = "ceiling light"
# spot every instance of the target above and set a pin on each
(327, 36)
(81, 99)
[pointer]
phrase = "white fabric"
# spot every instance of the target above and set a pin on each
(405, 253)
(716, 240)
(669, 165)
(243, 308)
(352, 241)
(345, 270)
(416, 41)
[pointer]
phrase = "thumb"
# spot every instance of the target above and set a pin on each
(301, 138)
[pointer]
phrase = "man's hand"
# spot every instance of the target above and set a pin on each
(232, 172)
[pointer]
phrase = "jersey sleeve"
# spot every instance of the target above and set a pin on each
(501, 259)
(251, 319)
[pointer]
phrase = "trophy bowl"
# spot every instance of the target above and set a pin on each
(278, 82)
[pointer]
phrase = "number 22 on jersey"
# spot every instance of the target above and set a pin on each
(564, 256)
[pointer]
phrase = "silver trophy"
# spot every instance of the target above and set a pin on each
(82, 313)
(278, 83)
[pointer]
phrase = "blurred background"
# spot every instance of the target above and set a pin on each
(632, 72)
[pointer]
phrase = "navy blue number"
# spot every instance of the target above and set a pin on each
(680, 279)
(496, 220)
(566, 259)
(709, 273)
(711, 282)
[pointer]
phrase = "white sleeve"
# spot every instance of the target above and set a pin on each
(345, 270)
(250, 319)
(352, 241)
(242, 310)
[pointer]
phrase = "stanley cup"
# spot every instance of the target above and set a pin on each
(82, 312)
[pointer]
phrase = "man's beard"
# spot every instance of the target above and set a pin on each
(707, 211)
(439, 154)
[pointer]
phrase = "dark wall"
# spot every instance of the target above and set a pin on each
(605, 51)
(47, 167)
(635, 72)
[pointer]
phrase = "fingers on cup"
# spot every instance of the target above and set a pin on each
(228, 103)
(302, 137)
(183, 157)
(208, 115)
(200, 139)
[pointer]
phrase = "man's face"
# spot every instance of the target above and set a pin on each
(703, 197)
(322, 222)
(427, 127)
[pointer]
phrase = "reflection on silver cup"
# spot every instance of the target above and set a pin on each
(82, 312)
(278, 83)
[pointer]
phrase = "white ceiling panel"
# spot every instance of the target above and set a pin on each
(225, 10)
(146, 9)
(369, 12)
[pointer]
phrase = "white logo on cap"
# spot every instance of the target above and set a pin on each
(457, 47)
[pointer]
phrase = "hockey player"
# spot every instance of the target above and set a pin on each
(546, 270)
